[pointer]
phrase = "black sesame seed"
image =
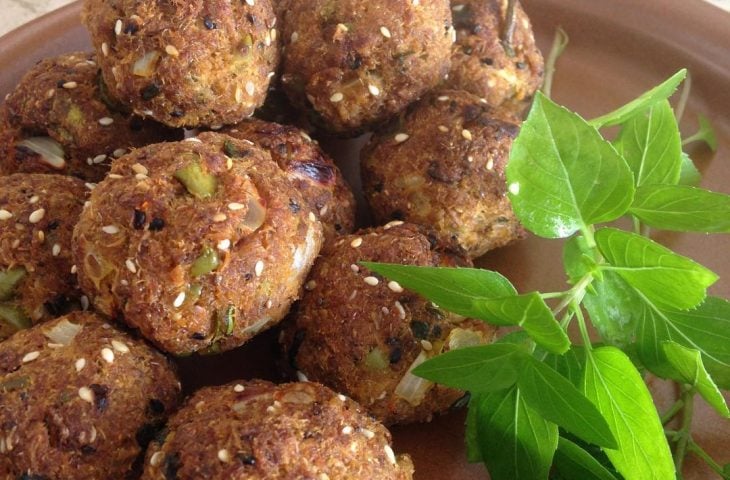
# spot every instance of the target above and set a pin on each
(101, 393)
(487, 61)
(197, 336)
(53, 225)
(294, 206)
(150, 91)
(131, 28)
(177, 113)
(246, 458)
(157, 224)
(395, 355)
(520, 65)
(88, 450)
(156, 407)
(139, 219)
(209, 23)
(419, 329)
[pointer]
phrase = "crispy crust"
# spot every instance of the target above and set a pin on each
(143, 269)
(355, 63)
(201, 63)
(257, 430)
(43, 248)
(480, 63)
(62, 98)
(312, 172)
(360, 338)
(448, 174)
(65, 418)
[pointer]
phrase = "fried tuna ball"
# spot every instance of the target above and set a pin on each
(60, 120)
(362, 335)
(495, 56)
(37, 216)
(80, 400)
(257, 430)
(354, 63)
(186, 63)
(443, 166)
(199, 244)
(310, 170)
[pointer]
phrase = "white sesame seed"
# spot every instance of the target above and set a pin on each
(74, 269)
(239, 388)
(269, 303)
(56, 249)
(310, 285)
(238, 95)
(84, 302)
(356, 243)
(98, 159)
(402, 137)
(250, 88)
(119, 152)
(259, 268)
(179, 300)
(224, 244)
(401, 310)
(37, 215)
(385, 310)
(118, 27)
(385, 32)
(139, 168)
(90, 186)
(267, 39)
(29, 357)
(514, 188)
(374, 91)
(416, 3)
(86, 394)
(70, 85)
(105, 49)
(428, 346)
(466, 134)
(443, 98)
(355, 268)
(341, 397)
(337, 97)
(273, 34)
(369, 434)
(394, 223)
(312, 217)
(34, 199)
(120, 347)
(347, 430)
(341, 27)
(130, 265)
(443, 128)
(294, 37)
(156, 458)
(108, 355)
(110, 229)
(5, 215)
(395, 286)
(236, 206)
(490, 164)
(114, 176)
(41, 235)
(390, 454)
(171, 50)
(372, 281)
(250, 2)
(301, 377)
(270, 409)
(193, 139)
(224, 456)
(55, 345)
(220, 217)
(106, 121)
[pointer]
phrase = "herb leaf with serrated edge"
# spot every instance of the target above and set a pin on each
(615, 386)
(563, 176)
(664, 277)
(574, 463)
(689, 175)
(706, 134)
(682, 208)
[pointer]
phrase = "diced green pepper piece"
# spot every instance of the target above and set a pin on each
(207, 262)
(197, 181)
(14, 316)
(9, 280)
(376, 360)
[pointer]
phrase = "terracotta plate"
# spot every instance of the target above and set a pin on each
(618, 49)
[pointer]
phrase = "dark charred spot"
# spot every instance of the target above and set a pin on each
(316, 409)
(338, 227)
(101, 398)
(471, 112)
(177, 113)
(233, 151)
(157, 224)
(131, 27)
(436, 331)
(209, 23)
(251, 18)
(308, 435)
(246, 458)
(156, 407)
(467, 50)
(294, 206)
(396, 353)
(354, 60)
(520, 65)
(150, 91)
(487, 61)
(139, 219)
(54, 224)
(296, 344)
(319, 172)
(88, 450)
(136, 124)
(58, 305)
(171, 466)
(248, 277)
(197, 336)
(420, 329)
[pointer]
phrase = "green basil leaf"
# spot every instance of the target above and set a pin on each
(651, 145)
(476, 369)
(689, 175)
(612, 305)
(570, 365)
(453, 289)
(574, 463)
(516, 443)
(577, 258)
(557, 400)
(641, 104)
(705, 134)
(614, 385)
(682, 209)
(563, 176)
(688, 362)
(664, 277)
(473, 451)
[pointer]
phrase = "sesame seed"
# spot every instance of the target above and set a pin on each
(514, 188)
(74, 269)
(395, 286)
(41, 236)
(374, 91)
(443, 128)
(490, 164)
(394, 223)
(140, 169)
(238, 95)
(37, 215)
(250, 88)
(355, 268)
(56, 249)
(107, 355)
(310, 285)
(84, 302)
(98, 159)
(118, 27)
(29, 357)
(223, 454)
(294, 37)
(193, 139)
(341, 397)
(267, 39)
(172, 51)
(270, 409)
(347, 430)
(236, 206)
(156, 458)
(224, 244)
(120, 347)
(119, 152)
(179, 300)
(273, 34)
(5, 215)
(301, 377)
(402, 137)
(367, 433)
(416, 3)
(34, 199)
(385, 310)
(341, 27)
(372, 281)
(239, 388)
(443, 98)
(220, 217)
(90, 186)
(250, 2)
(337, 97)
(114, 176)
(106, 121)
(386, 33)
(466, 134)
(70, 85)
(390, 454)
(356, 243)
(259, 268)
(130, 265)
(105, 49)
(86, 394)
(110, 229)
(401, 310)
(312, 217)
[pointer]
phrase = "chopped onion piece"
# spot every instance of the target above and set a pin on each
(50, 150)
(63, 333)
(255, 216)
(461, 338)
(145, 66)
(411, 388)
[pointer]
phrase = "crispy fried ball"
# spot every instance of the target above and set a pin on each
(485, 65)
(355, 63)
(361, 334)
(59, 119)
(310, 170)
(186, 63)
(199, 244)
(260, 431)
(80, 400)
(37, 216)
(443, 166)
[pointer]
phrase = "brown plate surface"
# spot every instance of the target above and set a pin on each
(618, 49)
